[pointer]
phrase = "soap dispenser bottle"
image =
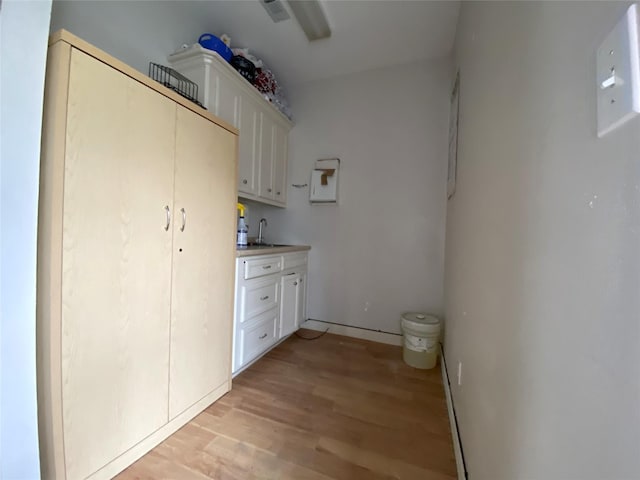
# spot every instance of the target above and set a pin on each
(242, 233)
(243, 230)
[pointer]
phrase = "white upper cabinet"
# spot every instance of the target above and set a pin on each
(280, 151)
(264, 131)
(266, 158)
(227, 98)
(248, 148)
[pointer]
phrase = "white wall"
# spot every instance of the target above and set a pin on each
(24, 28)
(135, 31)
(384, 245)
(254, 211)
(381, 250)
(543, 251)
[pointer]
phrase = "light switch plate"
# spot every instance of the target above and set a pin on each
(618, 74)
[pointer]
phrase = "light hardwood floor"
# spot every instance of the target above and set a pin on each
(331, 408)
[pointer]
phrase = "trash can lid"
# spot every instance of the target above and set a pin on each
(423, 318)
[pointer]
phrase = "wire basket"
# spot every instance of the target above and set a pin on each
(175, 81)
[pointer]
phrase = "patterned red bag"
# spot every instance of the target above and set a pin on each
(265, 81)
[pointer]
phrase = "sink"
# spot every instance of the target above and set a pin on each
(251, 246)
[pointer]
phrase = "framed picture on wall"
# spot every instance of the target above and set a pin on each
(453, 138)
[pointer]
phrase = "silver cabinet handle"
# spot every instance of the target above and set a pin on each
(262, 336)
(266, 267)
(264, 298)
(269, 190)
(184, 219)
(277, 193)
(244, 181)
(292, 273)
(166, 227)
(295, 283)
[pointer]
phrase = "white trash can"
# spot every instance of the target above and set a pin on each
(421, 339)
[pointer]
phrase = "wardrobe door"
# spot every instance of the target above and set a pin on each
(116, 263)
(203, 260)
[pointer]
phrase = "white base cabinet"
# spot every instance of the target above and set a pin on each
(270, 303)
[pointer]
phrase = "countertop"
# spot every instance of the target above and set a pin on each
(270, 250)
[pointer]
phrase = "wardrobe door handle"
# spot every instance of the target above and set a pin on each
(166, 227)
(184, 219)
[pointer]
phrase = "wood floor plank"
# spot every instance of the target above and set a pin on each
(335, 408)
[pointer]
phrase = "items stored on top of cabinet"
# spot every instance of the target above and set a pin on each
(250, 67)
(245, 67)
(264, 79)
(134, 302)
(175, 81)
(263, 141)
(211, 42)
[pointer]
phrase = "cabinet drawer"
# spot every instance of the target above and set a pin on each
(259, 336)
(259, 296)
(257, 267)
(294, 260)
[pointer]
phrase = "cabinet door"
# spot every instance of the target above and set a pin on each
(116, 264)
(290, 309)
(248, 124)
(227, 99)
(266, 156)
(203, 260)
(301, 310)
(280, 140)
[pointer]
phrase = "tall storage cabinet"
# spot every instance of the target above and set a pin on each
(135, 263)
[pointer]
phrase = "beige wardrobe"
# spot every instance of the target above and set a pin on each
(135, 262)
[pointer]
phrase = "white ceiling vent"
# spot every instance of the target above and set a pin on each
(276, 10)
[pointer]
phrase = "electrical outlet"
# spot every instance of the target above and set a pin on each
(459, 373)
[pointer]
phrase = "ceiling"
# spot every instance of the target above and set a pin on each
(365, 35)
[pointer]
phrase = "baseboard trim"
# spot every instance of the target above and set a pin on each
(455, 435)
(354, 332)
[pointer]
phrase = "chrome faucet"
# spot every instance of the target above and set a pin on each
(263, 223)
